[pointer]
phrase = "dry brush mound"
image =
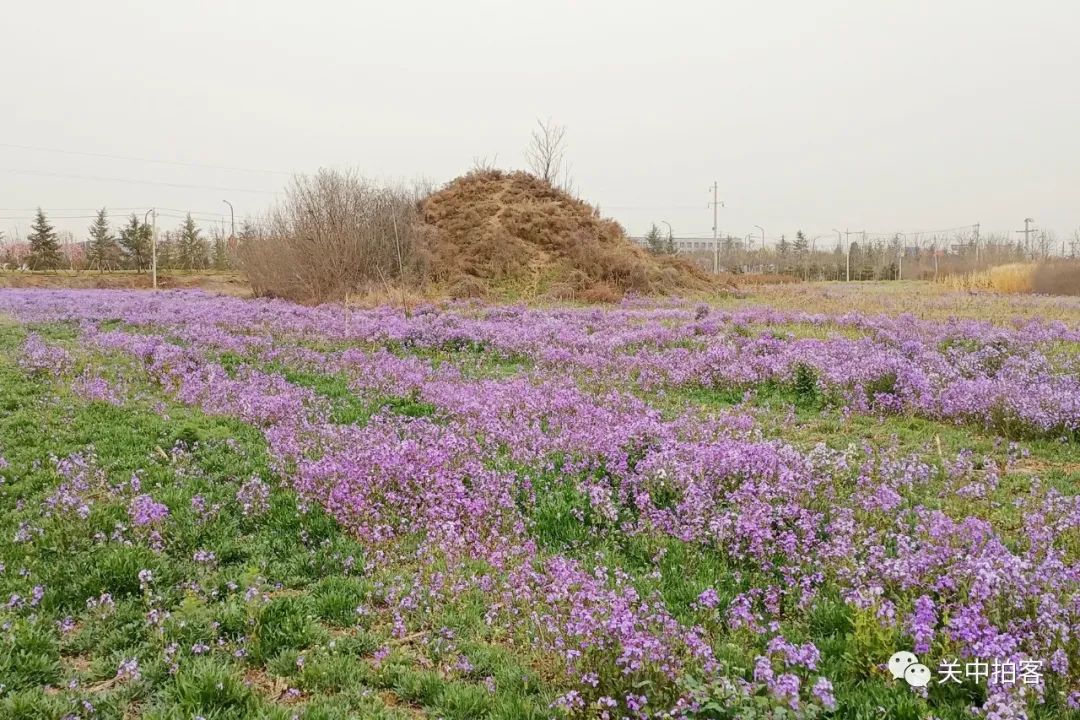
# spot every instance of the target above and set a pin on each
(493, 228)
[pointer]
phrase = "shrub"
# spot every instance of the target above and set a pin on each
(805, 385)
(335, 233)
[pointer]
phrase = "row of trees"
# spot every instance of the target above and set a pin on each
(127, 248)
(892, 258)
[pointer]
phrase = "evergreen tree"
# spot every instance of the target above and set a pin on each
(44, 244)
(101, 249)
(166, 250)
(800, 246)
(783, 253)
(221, 252)
(801, 249)
(190, 247)
(135, 241)
(654, 240)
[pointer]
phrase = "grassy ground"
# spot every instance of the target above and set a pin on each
(266, 627)
(260, 608)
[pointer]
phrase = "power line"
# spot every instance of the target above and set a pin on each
(205, 216)
(179, 163)
(921, 232)
(67, 209)
(138, 182)
(61, 217)
(649, 207)
(196, 212)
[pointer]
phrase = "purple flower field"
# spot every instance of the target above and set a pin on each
(653, 510)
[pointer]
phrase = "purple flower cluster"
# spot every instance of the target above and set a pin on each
(254, 497)
(145, 511)
(42, 359)
(450, 502)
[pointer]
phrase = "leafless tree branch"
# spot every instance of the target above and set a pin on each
(547, 150)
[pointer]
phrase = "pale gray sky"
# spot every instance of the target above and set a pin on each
(811, 114)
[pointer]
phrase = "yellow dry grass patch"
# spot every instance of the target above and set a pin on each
(1011, 278)
(1060, 277)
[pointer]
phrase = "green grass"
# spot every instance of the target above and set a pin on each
(270, 629)
(305, 574)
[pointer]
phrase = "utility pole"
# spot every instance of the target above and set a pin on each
(153, 246)
(715, 239)
(976, 246)
(232, 218)
(1027, 233)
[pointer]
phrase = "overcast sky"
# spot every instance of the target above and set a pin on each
(813, 114)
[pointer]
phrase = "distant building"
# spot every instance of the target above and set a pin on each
(682, 245)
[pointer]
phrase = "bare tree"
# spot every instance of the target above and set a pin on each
(546, 151)
(335, 233)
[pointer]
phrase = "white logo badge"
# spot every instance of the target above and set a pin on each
(900, 661)
(917, 675)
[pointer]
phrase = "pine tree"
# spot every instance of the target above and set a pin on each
(221, 253)
(101, 249)
(801, 248)
(44, 244)
(191, 248)
(654, 240)
(135, 241)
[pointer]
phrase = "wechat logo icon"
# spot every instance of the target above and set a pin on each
(905, 665)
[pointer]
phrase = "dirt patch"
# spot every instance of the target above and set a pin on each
(268, 686)
(1034, 466)
(393, 701)
(76, 663)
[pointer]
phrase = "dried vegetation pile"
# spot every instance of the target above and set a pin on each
(491, 229)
